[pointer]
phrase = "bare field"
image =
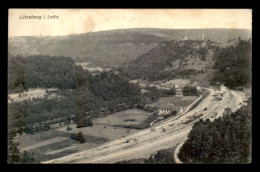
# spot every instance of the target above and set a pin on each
(127, 117)
(101, 132)
(149, 141)
(174, 102)
(56, 143)
(44, 143)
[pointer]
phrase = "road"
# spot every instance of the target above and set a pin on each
(163, 135)
(177, 150)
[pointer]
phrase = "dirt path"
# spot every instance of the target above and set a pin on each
(177, 150)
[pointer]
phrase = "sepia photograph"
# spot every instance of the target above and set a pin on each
(129, 86)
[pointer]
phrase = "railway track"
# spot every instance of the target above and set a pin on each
(153, 139)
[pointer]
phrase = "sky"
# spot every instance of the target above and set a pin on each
(76, 21)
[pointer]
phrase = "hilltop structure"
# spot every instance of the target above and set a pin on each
(203, 37)
(204, 41)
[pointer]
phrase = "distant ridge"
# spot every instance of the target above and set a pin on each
(240, 32)
(113, 47)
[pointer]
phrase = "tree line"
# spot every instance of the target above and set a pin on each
(233, 65)
(225, 140)
(189, 90)
(40, 71)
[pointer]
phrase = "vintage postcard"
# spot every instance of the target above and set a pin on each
(129, 86)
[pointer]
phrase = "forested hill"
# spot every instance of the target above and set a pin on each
(230, 65)
(152, 65)
(110, 48)
(82, 94)
(40, 71)
(100, 48)
(234, 65)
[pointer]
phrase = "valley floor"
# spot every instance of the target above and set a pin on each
(164, 135)
(57, 143)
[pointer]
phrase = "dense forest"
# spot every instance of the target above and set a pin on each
(189, 90)
(233, 65)
(82, 95)
(225, 140)
(40, 71)
(17, 74)
(38, 114)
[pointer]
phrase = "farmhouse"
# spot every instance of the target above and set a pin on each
(218, 94)
(179, 92)
(199, 89)
(162, 107)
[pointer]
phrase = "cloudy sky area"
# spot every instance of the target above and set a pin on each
(91, 20)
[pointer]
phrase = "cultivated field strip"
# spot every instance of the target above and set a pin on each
(142, 136)
(117, 143)
(149, 141)
(44, 143)
(60, 150)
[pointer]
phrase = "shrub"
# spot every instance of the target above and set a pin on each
(79, 137)
(69, 128)
(82, 140)
(85, 122)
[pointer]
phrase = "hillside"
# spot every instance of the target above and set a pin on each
(115, 47)
(40, 71)
(79, 93)
(99, 48)
(234, 65)
(171, 60)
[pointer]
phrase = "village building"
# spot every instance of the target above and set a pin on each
(179, 93)
(161, 108)
(199, 89)
(71, 122)
(248, 90)
(179, 90)
(164, 111)
(203, 44)
(218, 94)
